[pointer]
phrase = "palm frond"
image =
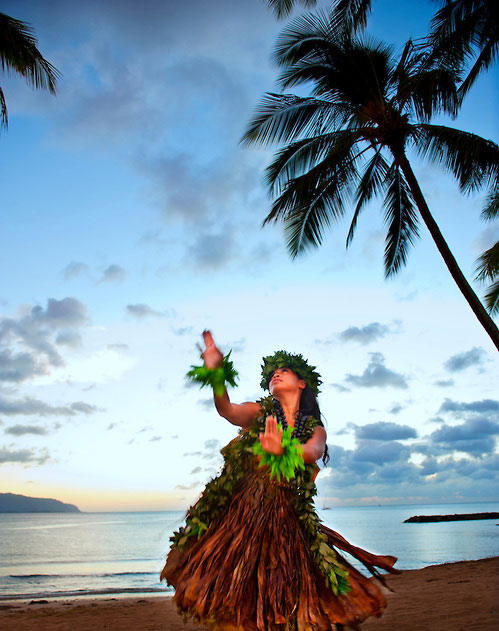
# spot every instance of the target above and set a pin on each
(425, 85)
(299, 157)
(486, 57)
(304, 226)
(372, 183)
(451, 36)
(332, 178)
(311, 201)
(429, 92)
(488, 264)
(282, 8)
(18, 53)
(491, 208)
(491, 299)
(284, 117)
(4, 119)
(473, 160)
(401, 217)
(351, 15)
(463, 29)
(307, 36)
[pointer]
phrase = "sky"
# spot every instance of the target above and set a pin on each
(131, 220)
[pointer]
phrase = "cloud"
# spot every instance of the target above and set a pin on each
(153, 238)
(113, 273)
(206, 404)
(366, 334)
(83, 408)
(28, 344)
(187, 487)
(383, 431)
(118, 347)
(237, 346)
(379, 451)
(473, 407)
(24, 456)
(461, 361)
(21, 430)
(183, 330)
(475, 436)
(376, 375)
(68, 312)
(19, 367)
(211, 451)
(444, 383)
(68, 338)
(141, 310)
(31, 406)
(212, 250)
(462, 456)
(340, 388)
(74, 269)
(396, 408)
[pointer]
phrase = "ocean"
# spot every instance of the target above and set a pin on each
(50, 555)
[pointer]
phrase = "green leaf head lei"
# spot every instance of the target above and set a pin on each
(296, 363)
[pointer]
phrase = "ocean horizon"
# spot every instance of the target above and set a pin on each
(53, 555)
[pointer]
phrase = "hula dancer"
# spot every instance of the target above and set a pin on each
(253, 555)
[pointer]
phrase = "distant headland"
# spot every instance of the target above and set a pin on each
(12, 503)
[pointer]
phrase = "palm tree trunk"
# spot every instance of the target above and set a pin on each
(456, 273)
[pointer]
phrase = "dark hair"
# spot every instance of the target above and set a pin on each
(308, 403)
(310, 407)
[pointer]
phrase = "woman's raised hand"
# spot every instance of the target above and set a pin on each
(271, 440)
(212, 356)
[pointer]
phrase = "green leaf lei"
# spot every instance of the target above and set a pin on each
(288, 462)
(238, 461)
(215, 377)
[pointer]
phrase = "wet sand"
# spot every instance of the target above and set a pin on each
(460, 596)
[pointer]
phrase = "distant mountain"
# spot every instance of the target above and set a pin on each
(11, 503)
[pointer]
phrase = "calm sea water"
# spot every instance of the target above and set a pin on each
(47, 555)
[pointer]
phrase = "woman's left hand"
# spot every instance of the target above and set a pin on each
(272, 438)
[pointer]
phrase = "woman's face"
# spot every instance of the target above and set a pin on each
(285, 380)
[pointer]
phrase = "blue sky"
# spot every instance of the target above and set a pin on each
(131, 220)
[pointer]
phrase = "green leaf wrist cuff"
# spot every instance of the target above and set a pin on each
(289, 462)
(215, 377)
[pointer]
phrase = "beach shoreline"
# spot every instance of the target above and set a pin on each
(448, 597)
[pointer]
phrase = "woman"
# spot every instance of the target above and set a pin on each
(253, 555)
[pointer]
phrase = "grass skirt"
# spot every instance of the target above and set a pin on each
(252, 570)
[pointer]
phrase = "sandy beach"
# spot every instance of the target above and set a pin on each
(450, 597)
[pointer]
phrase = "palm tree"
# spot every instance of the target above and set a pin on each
(18, 53)
(460, 29)
(349, 140)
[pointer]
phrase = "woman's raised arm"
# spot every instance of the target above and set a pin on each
(242, 414)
